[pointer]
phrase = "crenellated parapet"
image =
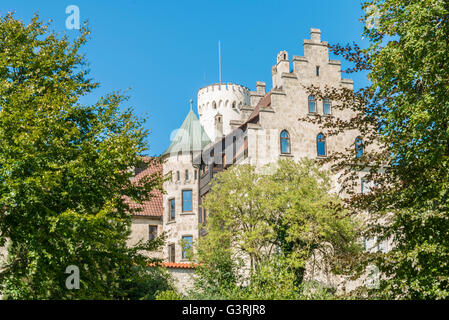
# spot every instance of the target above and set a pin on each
(225, 99)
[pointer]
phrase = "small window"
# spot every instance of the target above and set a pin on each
(312, 104)
(327, 106)
(186, 200)
(172, 213)
(202, 216)
(152, 232)
(364, 186)
(234, 149)
(321, 145)
(214, 105)
(233, 105)
(358, 147)
(171, 253)
(285, 142)
(178, 176)
(195, 174)
(187, 244)
(187, 175)
(317, 71)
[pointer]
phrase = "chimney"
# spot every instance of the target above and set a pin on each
(260, 87)
(315, 35)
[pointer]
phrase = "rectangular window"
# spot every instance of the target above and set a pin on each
(186, 200)
(187, 175)
(178, 176)
(196, 174)
(365, 187)
(172, 213)
(317, 71)
(152, 232)
(187, 244)
(171, 253)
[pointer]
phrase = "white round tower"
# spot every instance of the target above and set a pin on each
(224, 100)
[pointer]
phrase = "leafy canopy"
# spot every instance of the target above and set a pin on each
(64, 171)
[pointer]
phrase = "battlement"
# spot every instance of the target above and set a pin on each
(223, 87)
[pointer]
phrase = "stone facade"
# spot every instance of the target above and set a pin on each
(261, 117)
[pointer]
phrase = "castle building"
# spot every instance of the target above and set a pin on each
(237, 126)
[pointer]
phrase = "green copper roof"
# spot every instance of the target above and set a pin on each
(190, 137)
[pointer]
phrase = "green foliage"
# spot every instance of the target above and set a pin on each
(403, 117)
(64, 172)
(410, 76)
(270, 224)
(168, 295)
(146, 283)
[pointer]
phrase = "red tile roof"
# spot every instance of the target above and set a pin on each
(153, 207)
(177, 265)
(180, 265)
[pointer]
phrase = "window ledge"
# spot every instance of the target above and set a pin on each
(187, 213)
(321, 157)
(289, 155)
(171, 221)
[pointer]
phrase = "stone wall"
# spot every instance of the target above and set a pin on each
(185, 223)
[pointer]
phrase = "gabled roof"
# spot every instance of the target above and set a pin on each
(152, 207)
(191, 136)
(265, 102)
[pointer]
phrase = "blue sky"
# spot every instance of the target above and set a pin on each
(166, 50)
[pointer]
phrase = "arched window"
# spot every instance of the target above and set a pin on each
(214, 105)
(358, 147)
(312, 104)
(285, 142)
(321, 145)
(233, 105)
(327, 106)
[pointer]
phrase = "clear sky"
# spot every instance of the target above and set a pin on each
(166, 50)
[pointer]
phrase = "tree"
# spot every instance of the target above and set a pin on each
(270, 222)
(64, 171)
(403, 117)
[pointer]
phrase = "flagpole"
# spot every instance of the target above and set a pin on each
(219, 63)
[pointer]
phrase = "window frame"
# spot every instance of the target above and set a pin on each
(172, 248)
(288, 141)
(150, 233)
(322, 140)
(170, 209)
(330, 106)
(311, 99)
(183, 252)
(191, 200)
(357, 146)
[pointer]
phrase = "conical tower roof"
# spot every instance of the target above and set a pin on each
(191, 136)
